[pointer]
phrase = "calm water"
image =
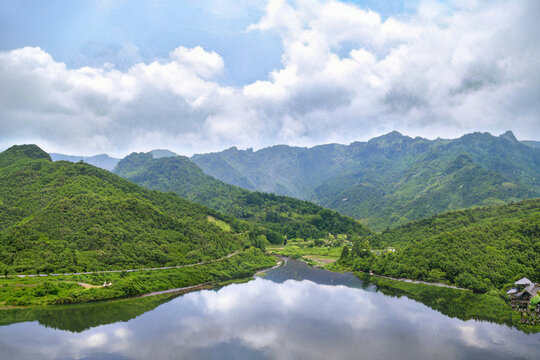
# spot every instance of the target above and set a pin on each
(296, 312)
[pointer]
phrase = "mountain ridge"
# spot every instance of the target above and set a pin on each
(357, 179)
(278, 214)
(102, 161)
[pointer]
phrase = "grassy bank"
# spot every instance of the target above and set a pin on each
(38, 291)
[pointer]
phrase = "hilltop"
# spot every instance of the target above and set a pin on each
(62, 216)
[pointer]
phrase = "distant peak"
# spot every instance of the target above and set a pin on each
(30, 151)
(231, 149)
(162, 153)
(391, 136)
(510, 136)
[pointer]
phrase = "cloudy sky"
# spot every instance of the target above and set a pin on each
(115, 76)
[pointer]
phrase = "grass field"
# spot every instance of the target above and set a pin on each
(326, 252)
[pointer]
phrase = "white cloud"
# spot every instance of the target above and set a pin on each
(346, 74)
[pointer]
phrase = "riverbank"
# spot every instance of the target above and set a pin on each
(455, 302)
(64, 289)
(419, 282)
(282, 261)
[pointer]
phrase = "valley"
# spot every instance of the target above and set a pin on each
(169, 225)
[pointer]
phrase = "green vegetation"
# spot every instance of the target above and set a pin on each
(81, 317)
(479, 249)
(18, 152)
(65, 217)
(270, 215)
(15, 291)
(389, 180)
(465, 305)
(315, 252)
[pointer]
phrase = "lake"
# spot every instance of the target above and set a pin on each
(294, 312)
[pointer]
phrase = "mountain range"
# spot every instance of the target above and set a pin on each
(384, 182)
(279, 215)
(103, 161)
(389, 180)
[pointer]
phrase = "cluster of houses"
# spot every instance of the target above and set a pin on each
(521, 295)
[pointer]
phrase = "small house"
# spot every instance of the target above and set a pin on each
(522, 294)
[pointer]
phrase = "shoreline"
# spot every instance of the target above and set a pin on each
(282, 262)
(410, 281)
(185, 289)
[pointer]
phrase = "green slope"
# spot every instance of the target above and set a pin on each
(480, 249)
(279, 215)
(60, 216)
(391, 179)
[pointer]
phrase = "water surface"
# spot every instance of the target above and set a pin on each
(295, 312)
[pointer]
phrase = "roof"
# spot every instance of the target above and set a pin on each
(532, 290)
(523, 281)
(511, 291)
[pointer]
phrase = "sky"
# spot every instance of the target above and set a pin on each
(116, 76)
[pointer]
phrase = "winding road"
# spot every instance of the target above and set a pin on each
(128, 270)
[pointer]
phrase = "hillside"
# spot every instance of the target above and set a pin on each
(280, 215)
(532, 143)
(61, 216)
(103, 161)
(389, 180)
(480, 249)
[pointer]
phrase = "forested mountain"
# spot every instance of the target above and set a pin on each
(480, 249)
(391, 179)
(62, 216)
(103, 161)
(280, 215)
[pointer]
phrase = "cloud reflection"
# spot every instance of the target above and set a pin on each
(267, 320)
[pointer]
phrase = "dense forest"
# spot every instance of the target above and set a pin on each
(479, 249)
(389, 180)
(61, 216)
(276, 216)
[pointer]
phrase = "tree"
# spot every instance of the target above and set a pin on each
(345, 252)
(260, 242)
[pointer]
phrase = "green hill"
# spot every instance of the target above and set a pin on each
(389, 180)
(22, 152)
(480, 249)
(279, 215)
(61, 216)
